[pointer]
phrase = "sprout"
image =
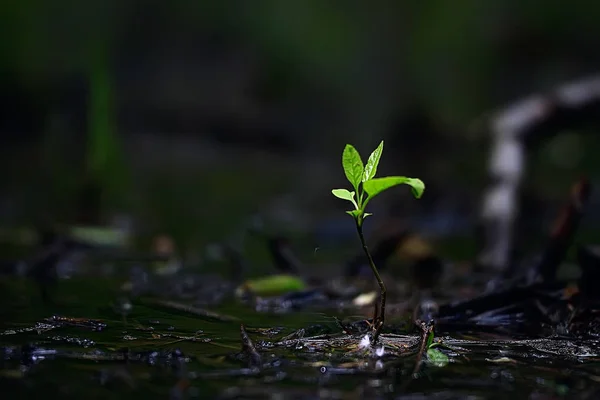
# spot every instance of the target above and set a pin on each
(366, 186)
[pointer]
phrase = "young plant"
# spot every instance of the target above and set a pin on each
(435, 356)
(366, 186)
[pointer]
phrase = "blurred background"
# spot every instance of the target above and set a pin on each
(190, 119)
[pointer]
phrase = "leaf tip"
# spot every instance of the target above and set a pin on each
(348, 147)
(417, 187)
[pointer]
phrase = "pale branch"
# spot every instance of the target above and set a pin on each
(517, 130)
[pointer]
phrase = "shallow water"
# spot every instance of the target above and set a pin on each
(84, 347)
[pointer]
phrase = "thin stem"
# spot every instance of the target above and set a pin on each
(426, 331)
(379, 321)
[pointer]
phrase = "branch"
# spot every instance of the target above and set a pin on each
(517, 130)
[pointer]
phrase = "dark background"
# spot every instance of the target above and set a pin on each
(188, 118)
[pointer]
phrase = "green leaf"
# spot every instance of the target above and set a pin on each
(357, 214)
(272, 285)
(353, 165)
(372, 163)
(345, 194)
(99, 236)
(429, 339)
(437, 358)
(417, 187)
(377, 185)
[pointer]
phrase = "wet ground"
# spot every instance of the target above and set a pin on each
(81, 320)
(90, 343)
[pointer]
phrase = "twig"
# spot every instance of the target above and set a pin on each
(249, 350)
(563, 231)
(426, 330)
(201, 312)
(512, 296)
(517, 130)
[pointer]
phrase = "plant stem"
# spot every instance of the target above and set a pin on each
(379, 320)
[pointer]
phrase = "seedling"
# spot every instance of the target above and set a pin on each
(429, 348)
(435, 356)
(366, 186)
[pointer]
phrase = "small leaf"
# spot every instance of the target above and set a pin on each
(377, 185)
(437, 358)
(272, 285)
(98, 236)
(429, 339)
(353, 165)
(345, 195)
(355, 213)
(372, 163)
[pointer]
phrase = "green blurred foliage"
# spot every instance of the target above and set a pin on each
(456, 59)
(452, 54)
